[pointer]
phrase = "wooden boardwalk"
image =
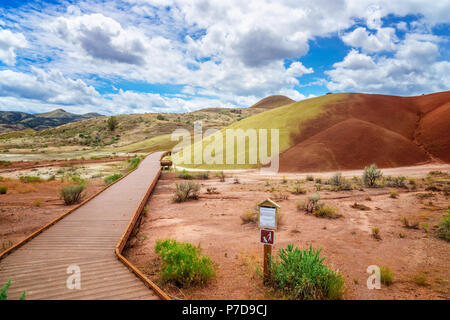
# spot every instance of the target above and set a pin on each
(87, 238)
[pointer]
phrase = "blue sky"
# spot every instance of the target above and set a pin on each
(133, 56)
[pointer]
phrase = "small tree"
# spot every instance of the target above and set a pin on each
(112, 123)
(371, 174)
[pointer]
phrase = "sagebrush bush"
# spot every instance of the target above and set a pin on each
(221, 176)
(309, 178)
(185, 175)
(311, 204)
(395, 182)
(386, 276)
(301, 274)
(444, 227)
(202, 175)
(393, 194)
(3, 190)
(297, 188)
(186, 191)
(72, 194)
(339, 183)
(110, 179)
(371, 175)
(183, 263)
(326, 211)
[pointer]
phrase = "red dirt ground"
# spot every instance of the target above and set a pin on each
(422, 121)
(213, 223)
(345, 146)
(29, 206)
(22, 165)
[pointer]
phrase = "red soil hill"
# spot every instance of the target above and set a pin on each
(362, 129)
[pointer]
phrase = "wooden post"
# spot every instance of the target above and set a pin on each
(267, 254)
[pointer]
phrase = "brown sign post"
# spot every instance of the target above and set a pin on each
(268, 211)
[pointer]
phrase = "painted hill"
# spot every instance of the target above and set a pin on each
(13, 120)
(352, 130)
(272, 102)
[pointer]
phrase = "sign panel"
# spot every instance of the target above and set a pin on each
(267, 236)
(267, 217)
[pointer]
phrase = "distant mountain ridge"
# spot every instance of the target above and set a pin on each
(16, 120)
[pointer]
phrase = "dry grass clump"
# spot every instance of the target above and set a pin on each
(376, 233)
(406, 224)
(186, 191)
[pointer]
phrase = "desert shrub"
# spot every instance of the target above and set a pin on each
(112, 123)
(72, 194)
(421, 279)
(78, 180)
(284, 180)
(326, 211)
(202, 175)
(311, 204)
(221, 176)
(186, 191)
(280, 196)
(444, 227)
(297, 188)
(236, 180)
(376, 233)
(318, 186)
(133, 163)
(3, 190)
(185, 175)
(183, 263)
(110, 179)
(249, 217)
(386, 276)
(4, 291)
(301, 274)
(30, 179)
(309, 178)
(407, 225)
(37, 202)
(318, 180)
(161, 117)
(395, 182)
(211, 190)
(393, 194)
(51, 178)
(371, 175)
(267, 182)
(339, 183)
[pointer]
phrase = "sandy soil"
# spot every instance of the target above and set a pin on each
(213, 222)
(28, 206)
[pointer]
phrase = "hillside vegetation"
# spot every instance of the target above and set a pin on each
(133, 133)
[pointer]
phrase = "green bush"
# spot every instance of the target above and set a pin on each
(186, 191)
(311, 205)
(309, 178)
(386, 276)
(110, 179)
(3, 190)
(183, 263)
(185, 175)
(202, 175)
(302, 275)
(339, 183)
(444, 227)
(30, 179)
(395, 182)
(133, 163)
(326, 212)
(4, 290)
(371, 175)
(112, 123)
(72, 194)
